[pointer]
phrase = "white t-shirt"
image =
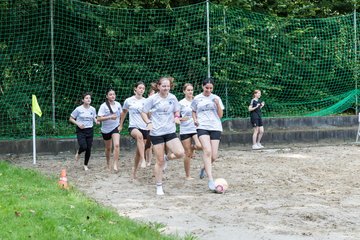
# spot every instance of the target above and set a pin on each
(135, 106)
(206, 111)
(104, 111)
(162, 113)
(188, 126)
(86, 116)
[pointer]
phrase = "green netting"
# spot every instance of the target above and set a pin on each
(305, 67)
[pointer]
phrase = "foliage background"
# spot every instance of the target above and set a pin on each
(116, 43)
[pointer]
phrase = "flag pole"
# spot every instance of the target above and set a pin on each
(34, 138)
(35, 108)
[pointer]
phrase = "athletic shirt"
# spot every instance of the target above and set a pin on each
(206, 111)
(86, 116)
(257, 112)
(188, 126)
(104, 111)
(162, 113)
(135, 106)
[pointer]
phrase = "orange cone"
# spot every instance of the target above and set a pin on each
(63, 180)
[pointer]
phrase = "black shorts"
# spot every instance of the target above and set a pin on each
(256, 122)
(186, 136)
(107, 136)
(214, 135)
(162, 139)
(145, 133)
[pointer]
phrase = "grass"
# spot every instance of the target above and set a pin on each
(32, 206)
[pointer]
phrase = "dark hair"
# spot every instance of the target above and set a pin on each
(139, 83)
(208, 80)
(85, 94)
(107, 101)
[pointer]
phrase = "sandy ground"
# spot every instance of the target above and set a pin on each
(281, 192)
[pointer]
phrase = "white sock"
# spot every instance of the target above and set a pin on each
(159, 189)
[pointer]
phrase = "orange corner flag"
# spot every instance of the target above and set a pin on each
(35, 106)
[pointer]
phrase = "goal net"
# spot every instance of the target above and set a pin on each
(59, 49)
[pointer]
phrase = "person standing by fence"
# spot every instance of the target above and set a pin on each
(256, 121)
(84, 117)
(109, 116)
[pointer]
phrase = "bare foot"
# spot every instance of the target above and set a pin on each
(116, 168)
(189, 178)
(77, 156)
(133, 176)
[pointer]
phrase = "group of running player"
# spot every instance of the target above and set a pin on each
(152, 123)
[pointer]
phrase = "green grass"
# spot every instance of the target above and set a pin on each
(32, 206)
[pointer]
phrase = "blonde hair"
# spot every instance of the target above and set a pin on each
(171, 80)
(153, 89)
(186, 85)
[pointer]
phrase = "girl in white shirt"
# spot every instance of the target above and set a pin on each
(207, 113)
(84, 117)
(137, 126)
(188, 132)
(109, 116)
(164, 108)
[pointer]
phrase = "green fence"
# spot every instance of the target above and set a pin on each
(60, 49)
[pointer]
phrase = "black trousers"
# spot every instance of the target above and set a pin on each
(85, 139)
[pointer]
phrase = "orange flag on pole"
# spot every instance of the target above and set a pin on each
(35, 106)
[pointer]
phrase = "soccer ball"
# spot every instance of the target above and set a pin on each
(221, 185)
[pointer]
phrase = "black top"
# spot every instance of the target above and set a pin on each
(257, 112)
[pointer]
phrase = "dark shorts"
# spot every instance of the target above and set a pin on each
(145, 133)
(107, 136)
(214, 135)
(163, 138)
(256, 122)
(186, 136)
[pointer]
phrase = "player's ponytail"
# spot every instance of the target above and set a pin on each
(107, 101)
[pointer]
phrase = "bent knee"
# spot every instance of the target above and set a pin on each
(198, 146)
(139, 138)
(207, 152)
(180, 154)
(160, 163)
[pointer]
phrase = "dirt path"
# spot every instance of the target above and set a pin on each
(282, 192)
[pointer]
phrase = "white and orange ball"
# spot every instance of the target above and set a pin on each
(221, 185)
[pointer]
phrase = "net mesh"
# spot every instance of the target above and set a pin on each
(304, 67)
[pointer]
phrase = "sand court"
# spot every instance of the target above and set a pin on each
(281, 192)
